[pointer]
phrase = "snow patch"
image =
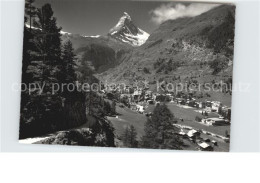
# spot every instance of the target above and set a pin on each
(136, 40)
(32, 140)
(36, 28)
(64, 33)
(32, 27)
(96, 36)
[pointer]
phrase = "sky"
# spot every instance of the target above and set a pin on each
(97, 17)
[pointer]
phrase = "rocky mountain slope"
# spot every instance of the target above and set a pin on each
(100, 53)
(103, 52)
(185, 47)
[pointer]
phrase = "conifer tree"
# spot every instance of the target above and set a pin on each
(159, 130)
(30, 11)
(49, 37)
(113, 107)
(68, 63)
(133, 136)
(27, 77)
(125, 137)
(42, 112)
(48, 42)
(129, 137)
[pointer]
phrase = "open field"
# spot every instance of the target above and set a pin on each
(188, 115)
(224, 98)
(128, 117)
(221, 146)
(219, 130)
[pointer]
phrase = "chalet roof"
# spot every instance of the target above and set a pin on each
(215, 119)
(204, 145)
(191, 132)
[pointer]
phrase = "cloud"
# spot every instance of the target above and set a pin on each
(171, 11)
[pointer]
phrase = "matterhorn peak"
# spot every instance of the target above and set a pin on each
(126, 31)
(127, 15)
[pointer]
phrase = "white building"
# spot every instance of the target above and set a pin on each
(213, 121)
(215, 106)
(193, 133)
(140, 108)
(205, 147)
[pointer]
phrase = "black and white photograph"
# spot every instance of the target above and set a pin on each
(134, 74)
(129, 91)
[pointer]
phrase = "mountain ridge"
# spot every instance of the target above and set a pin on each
(183, 46)
(126, 31)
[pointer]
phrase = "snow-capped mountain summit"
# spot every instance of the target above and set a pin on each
(126, 31)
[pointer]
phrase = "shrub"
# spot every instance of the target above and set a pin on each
(218, 65)
(197, 118)
(146, 70)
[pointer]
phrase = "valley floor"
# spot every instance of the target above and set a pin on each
(128, 117)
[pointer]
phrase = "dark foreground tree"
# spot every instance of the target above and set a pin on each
(30, 11)
(46, 64)
(68, 60)
(46, 111)
(113, 107)
(129, 137)
(159, 130)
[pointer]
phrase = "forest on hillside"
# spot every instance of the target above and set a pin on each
(48, 62)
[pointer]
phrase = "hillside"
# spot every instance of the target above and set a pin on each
(104, 52)
(186, 48)
(99, 52)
